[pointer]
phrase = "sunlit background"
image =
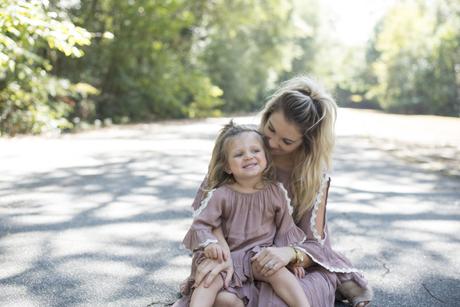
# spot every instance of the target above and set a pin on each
(95, 218)
(353, 21)
(67, 65)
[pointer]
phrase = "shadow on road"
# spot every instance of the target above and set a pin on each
(109, 231)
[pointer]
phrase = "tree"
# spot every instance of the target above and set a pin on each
(418, 52)
(32, 100)
(149, 69)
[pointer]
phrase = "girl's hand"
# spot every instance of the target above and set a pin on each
(271, 259)
(297, 271)
(216, 252)
(209, 269)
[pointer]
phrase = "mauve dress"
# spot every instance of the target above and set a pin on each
(249, 222)
(331, 268)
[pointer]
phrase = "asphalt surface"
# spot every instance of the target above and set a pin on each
(96, 218)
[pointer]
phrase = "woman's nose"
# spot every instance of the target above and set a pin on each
(272, 143)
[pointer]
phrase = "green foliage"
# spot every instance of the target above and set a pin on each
(148, 59)
(31, 100)
(149, 69)
(411, 63)
(249, 43)
(417, 60)
(183, 58)
(353, 82)
(152, 59)
(205, 97)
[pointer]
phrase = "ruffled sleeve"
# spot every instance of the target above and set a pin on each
(199, 194)
(205, 218)
(287, 233)
(318, 246)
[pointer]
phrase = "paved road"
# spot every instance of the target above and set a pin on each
(96, 218)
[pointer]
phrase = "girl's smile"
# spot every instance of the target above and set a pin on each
(246, 156)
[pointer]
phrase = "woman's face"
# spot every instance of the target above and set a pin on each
(283, 137)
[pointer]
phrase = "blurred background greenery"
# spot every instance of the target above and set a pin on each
(65, 64)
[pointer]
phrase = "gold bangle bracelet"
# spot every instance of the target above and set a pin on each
(299, 257)
(294, 260)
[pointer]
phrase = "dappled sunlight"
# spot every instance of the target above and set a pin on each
(105, 224)
(390, 218)
(172, 230)
(100, 216)
(180, 264)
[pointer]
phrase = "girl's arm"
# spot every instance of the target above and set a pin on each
(210, 268)
(217, 232)
(220, 250)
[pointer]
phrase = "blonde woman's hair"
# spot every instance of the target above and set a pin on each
(305, 104)
(217, 174)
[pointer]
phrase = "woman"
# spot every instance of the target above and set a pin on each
(298, 123)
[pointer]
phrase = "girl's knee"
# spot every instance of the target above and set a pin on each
(258, 275)
(216, 284)
(227, 299)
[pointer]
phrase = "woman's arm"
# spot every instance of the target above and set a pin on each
(271, 259)
(302, 259)
(320, 220)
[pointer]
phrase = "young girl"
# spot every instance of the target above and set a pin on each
(253, 213)
(298, 126)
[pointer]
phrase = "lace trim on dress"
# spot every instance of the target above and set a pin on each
(286, 195)
(204, 203)
(316, 205)
(329, 268)
(303, 240)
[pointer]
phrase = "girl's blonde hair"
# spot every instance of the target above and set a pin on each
(217, 174)
(305, 104)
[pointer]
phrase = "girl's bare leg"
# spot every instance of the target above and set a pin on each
(227, 299)
(206, 296)
(286, 286)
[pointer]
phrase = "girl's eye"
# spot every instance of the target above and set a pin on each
(271, 129)
(287, 142)
(256, 150)
(238, 155)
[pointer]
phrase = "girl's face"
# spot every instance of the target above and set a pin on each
(246, 156)
(283, 137)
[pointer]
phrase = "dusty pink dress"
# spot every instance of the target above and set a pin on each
(331, 268)
(249, 222)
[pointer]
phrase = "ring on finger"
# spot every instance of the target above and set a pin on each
(269, 265)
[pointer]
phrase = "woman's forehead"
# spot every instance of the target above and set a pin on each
(283, 127)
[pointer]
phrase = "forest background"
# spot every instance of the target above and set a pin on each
(70, 64)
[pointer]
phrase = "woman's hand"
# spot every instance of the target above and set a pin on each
(271, 259)
(209, 269)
